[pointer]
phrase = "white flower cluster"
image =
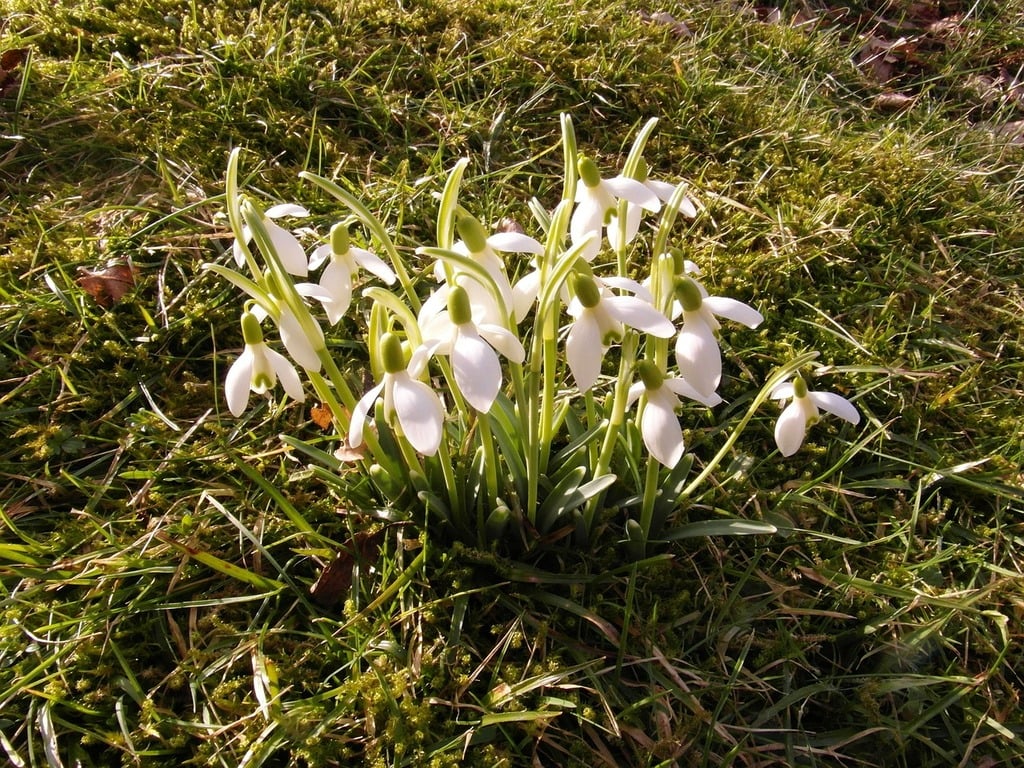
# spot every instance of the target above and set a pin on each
(473, 316)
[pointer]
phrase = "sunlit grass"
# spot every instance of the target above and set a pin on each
(157, 555)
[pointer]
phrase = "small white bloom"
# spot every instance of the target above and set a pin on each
(288, 248)
(659, 425)
(802, 412)
(472, 345)
(418, 408)
(484, 250)
(663, 191)
(599, 317)
(697, 353)
(597, 200)
(343, 263)
(258, 369)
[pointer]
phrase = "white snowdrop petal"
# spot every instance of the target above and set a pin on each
(633, 191)
(286, 209)
(638, 314)
(732, 309)
(683, 388)
(286, 374)
(584, 351)
(289, 250)
(296, 342)
(660, 428)
(524, 293)
(319, 255)
(504, 341)
(360, 413)
(836, 405)
(238, 381)
(477, 370)
(373, 264)
(420, 413)
(790, 429)
(782, 391)
(515, 242)
(698, 357)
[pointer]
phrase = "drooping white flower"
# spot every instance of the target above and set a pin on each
(803, 411)
(418, 408)
(484, 249)
(343, 263)
(597, 200)
(472, 345)
(599, 317)
(287, 246)
(258, 369)
(697, 353)
(663, 191)
(659, 425)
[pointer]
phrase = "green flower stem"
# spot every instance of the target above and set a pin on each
(234, 199)
(490, 469)
(615, 421)
(782, 373)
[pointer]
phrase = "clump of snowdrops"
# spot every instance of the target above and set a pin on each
(517, 397)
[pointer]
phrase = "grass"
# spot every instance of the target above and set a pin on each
(157, 555)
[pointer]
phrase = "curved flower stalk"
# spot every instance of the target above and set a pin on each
(599, 317)
(803, 411)
(343, 263)
(287, 246)
(472, 345)
(258, 369)
(597, 200)
(659, 425)
(417, 408)
(697, 353)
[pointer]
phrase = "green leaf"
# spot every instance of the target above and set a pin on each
(719, 528)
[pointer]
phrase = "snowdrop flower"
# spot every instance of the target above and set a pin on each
(484, 249)
(470, 344)
(659, 425)
(288, 248)
(663, 191)
(599, 319)
(344, 261)
(597, 200)
(258, 369)
(802, 412)
(697, 353)
(418, 408)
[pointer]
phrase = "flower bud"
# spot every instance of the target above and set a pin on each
(588, 171)
(339, 239)
(688, 294)
(587, 291)
(472, 233)
(799, 387)
(391, 353)
(459, 308)
(252, 333)
(650, 374)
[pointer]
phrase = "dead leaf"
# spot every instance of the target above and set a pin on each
(336, 577)
(11, 60)
(892, 102)
(677, 28)
(321, 415)
(346, 453)
(107, 286)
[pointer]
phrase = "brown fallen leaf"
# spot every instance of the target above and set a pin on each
(892, 102)
(10, 61)
(107, 286)
(677, 28)
(321, 415)
(336, 577)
